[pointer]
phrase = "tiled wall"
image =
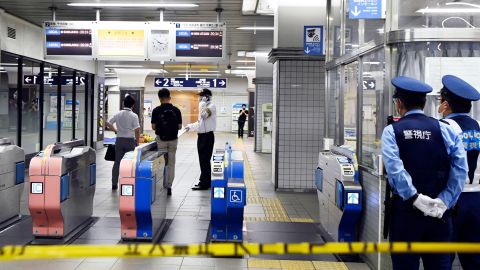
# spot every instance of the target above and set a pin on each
(299, 95)
(263, 94)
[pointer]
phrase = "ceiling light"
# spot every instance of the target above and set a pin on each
(448, 10)
(257, 28)
(462, 4)
(197, 74)
(246, 67)
(123, 66)
(136, 5)
(198, 71)
(245, 61)
(248, 7)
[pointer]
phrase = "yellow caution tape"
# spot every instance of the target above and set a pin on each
(226, 249)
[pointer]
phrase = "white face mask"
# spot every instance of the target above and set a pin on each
(204, 99)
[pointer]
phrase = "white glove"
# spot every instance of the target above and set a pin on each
(440, 208)
(192, 126)
(426, 205)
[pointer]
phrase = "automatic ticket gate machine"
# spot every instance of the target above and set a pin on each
(143, 197)
(339, 193)
(62, 186)
(228, 195)
(12, 177)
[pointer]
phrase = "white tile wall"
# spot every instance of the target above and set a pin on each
(299, 101)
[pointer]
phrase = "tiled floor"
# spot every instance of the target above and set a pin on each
(270, 217)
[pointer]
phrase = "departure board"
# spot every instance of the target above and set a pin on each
(199, 40)
(68, 38)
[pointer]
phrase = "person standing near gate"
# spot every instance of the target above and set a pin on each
(167, 121)
(205, 127)
(456, 99)
(242, 118)
(427, 167)
(128, 134)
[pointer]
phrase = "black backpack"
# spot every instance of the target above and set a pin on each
(167, 126)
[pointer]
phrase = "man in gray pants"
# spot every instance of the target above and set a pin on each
(167, 121)
(128, 133)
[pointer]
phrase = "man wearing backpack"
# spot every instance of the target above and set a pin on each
(166, 121)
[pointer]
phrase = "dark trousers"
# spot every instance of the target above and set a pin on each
(122, 146)
(241, 125)
(466, 222)
(205, 144)
(410, 225)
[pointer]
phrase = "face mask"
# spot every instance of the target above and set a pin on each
(204, 99)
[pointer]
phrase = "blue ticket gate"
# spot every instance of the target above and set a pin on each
(228, 196)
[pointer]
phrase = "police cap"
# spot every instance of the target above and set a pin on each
(411, 85)
(460, 88)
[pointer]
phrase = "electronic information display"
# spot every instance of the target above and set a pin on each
(199, 40)
(68, 38)
(120, 42)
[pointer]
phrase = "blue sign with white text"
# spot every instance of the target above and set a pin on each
(366, 9)
(313, 40)
(191, 82)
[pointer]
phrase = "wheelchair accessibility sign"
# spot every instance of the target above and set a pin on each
(236, 196)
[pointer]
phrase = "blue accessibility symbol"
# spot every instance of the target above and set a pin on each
(236, 196)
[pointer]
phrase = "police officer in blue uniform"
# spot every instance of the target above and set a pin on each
(427, 167)
(455, 104)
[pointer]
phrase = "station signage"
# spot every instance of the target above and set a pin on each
(313, 40)
(53, 80)
(199, 40)
(190, 82)
(369, 83)
(367, 9)
(68, 38)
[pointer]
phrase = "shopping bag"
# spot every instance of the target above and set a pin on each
(110, 155)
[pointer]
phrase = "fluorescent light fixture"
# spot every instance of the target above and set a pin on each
(257, 28)
(462, 4)
(197, 74)
(246, 67)
(448, 10)
(123, 66)
(266, 7)
(372, 63)
(248, 7)
(132, 5)
(196, 71)
(245, 61)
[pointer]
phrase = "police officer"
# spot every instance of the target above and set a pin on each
(426, 166)
(455, 104)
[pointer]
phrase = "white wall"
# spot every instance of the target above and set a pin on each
(290, 18)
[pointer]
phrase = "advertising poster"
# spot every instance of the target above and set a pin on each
(113, 42)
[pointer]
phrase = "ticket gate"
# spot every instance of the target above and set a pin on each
(143, 197)
(339, 194)
(228, 195)
(12, 177)
(62, 186)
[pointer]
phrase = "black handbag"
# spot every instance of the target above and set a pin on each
(110, 155)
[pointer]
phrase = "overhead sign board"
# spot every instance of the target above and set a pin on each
(367, 9)
(120, 42)
(199, 40)
(313, 40)
(160, 41)
(66, 80)
(68, 38)
(191, 82)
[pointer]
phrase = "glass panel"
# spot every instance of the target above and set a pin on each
(350, 105)
(67, 105)
(351, 31)
(373, 68)
(8, 97)
(80, 107)
(30, 109)
(334, 29)
(333, 95)
(437, 14)
(374, 30)
(430, 61)
(50, 106)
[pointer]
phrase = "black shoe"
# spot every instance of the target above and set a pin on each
(199, 187)
(114, 187)
(169, 192)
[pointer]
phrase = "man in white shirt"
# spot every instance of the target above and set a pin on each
(128, 133)
(205, 127)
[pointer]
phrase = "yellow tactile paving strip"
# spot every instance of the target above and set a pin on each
(273, 207)
(294, 265)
